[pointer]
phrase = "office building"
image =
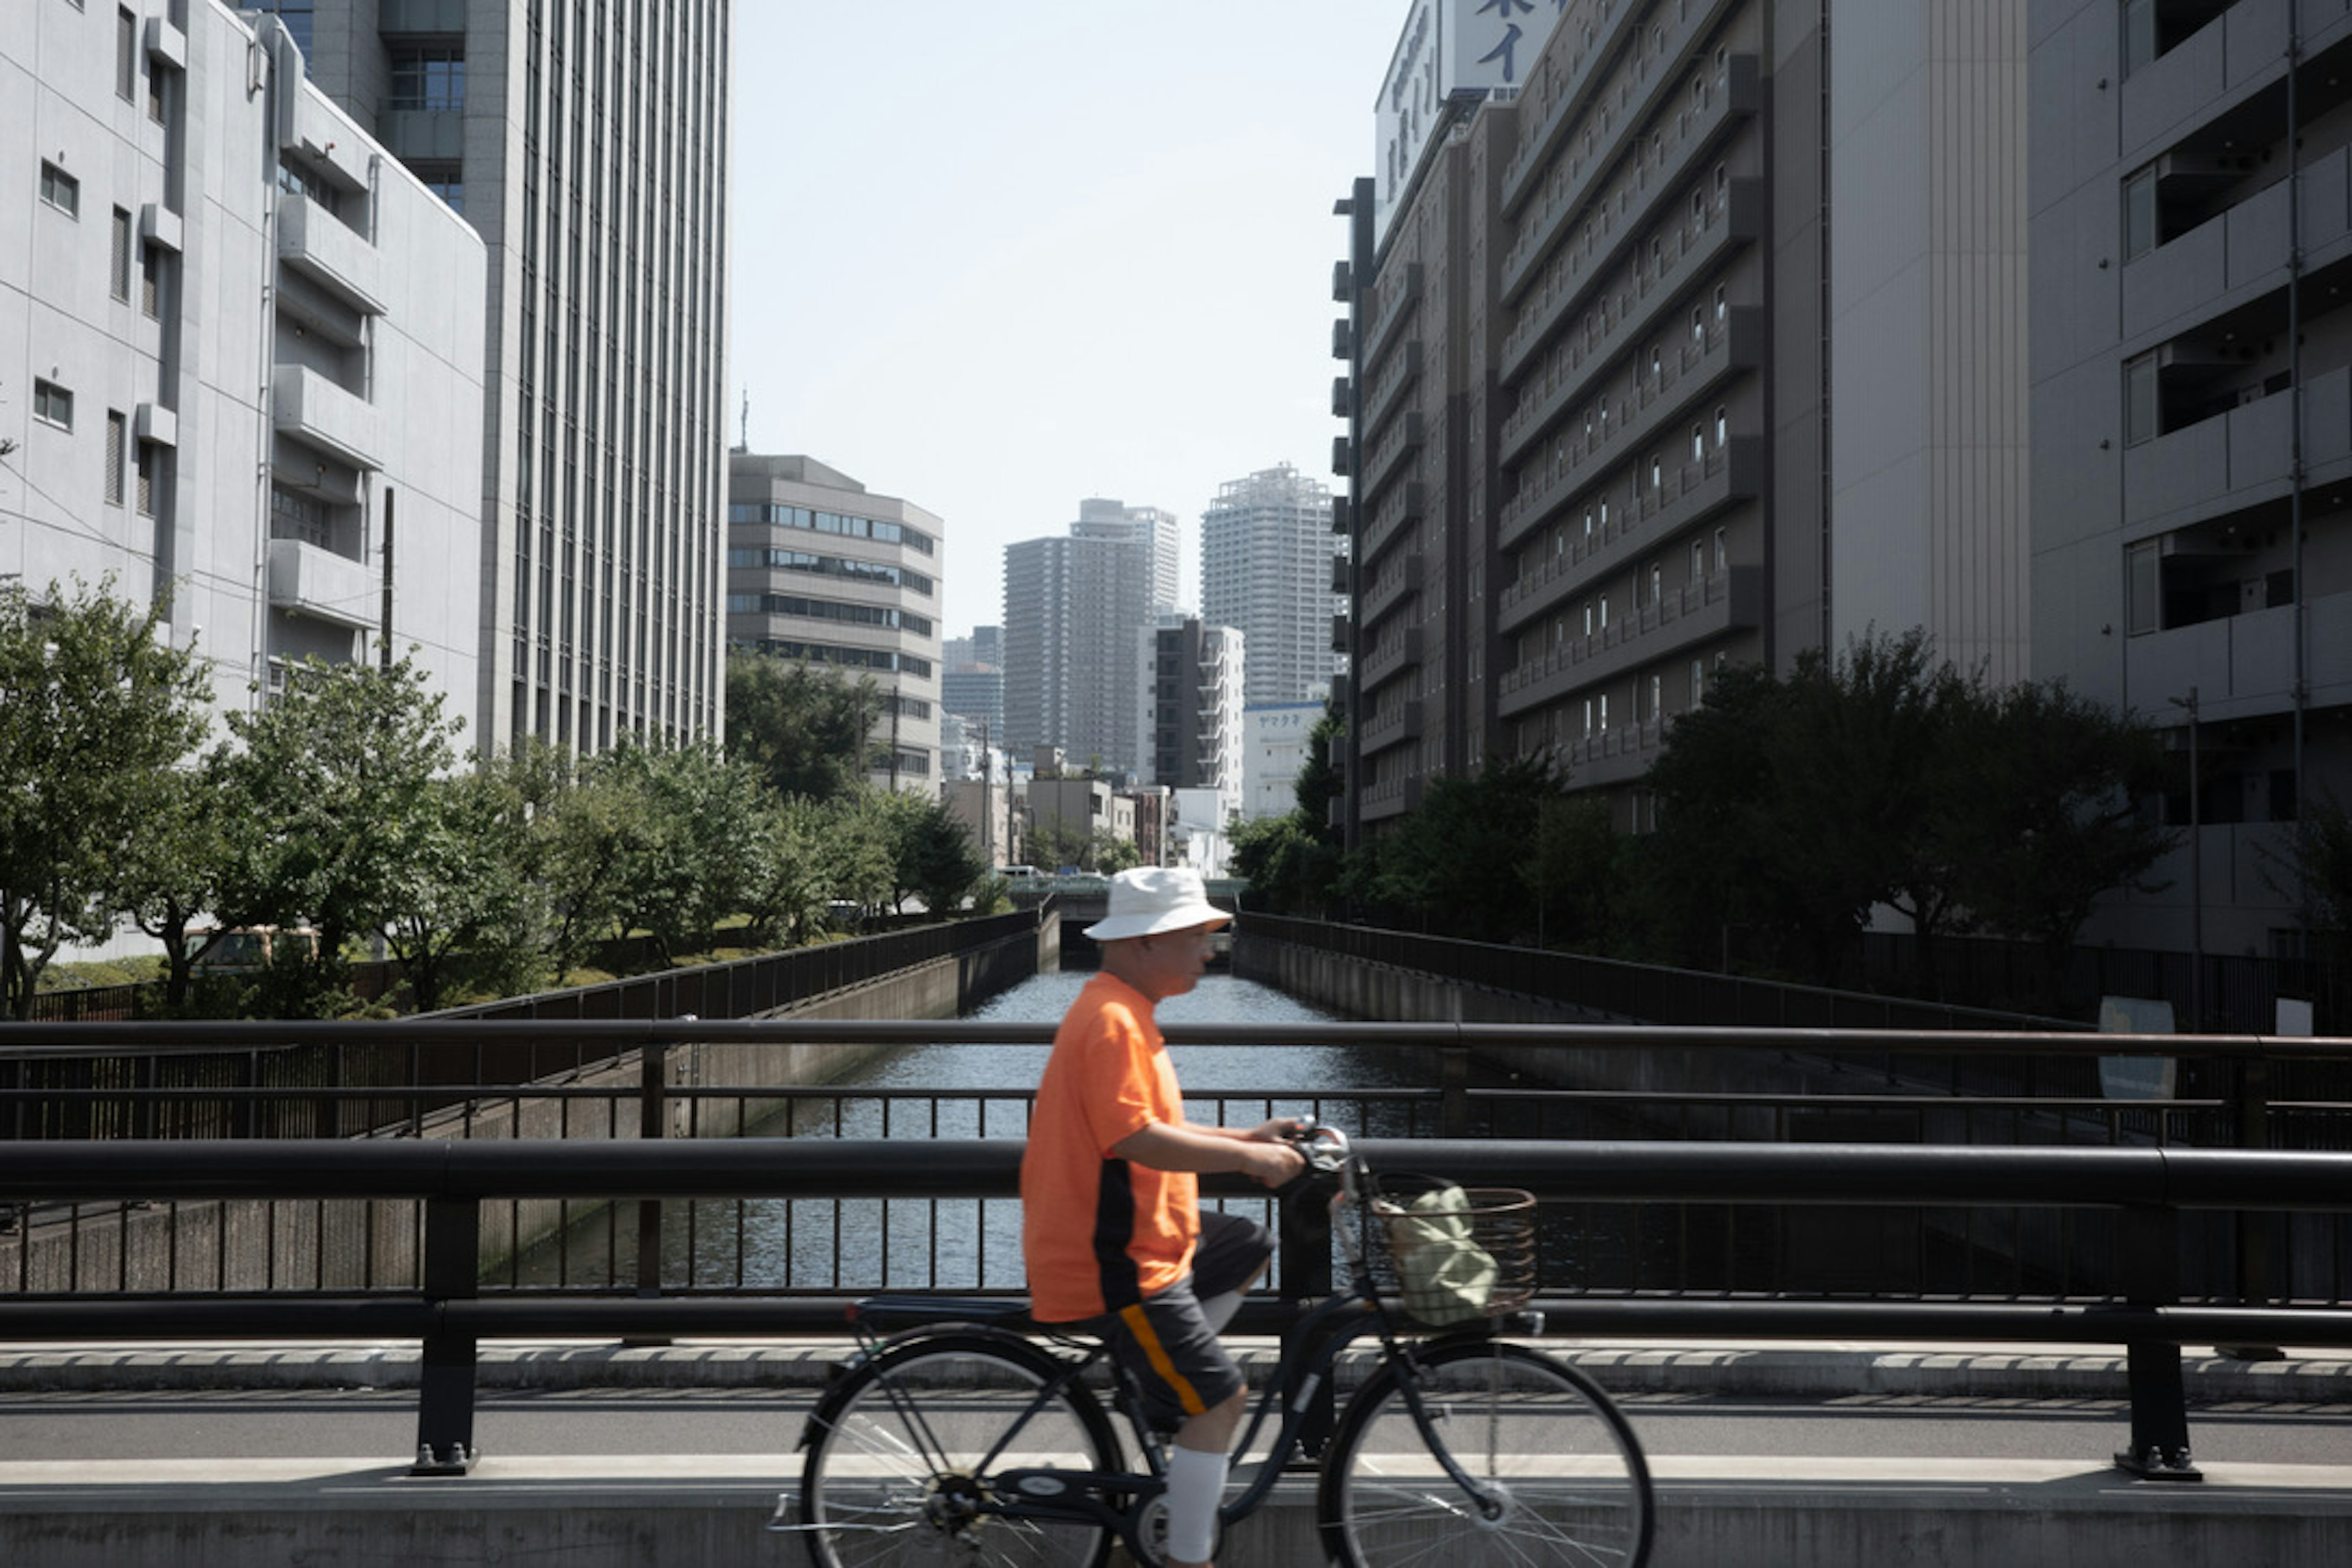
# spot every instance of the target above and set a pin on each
(590, 151)
(240, 349)
(1266, 570)
(1627, 404)
(1073, 609)
(972, 686)
(819, 569)
(2192, 427)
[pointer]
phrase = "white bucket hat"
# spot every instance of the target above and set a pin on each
(1151, 900)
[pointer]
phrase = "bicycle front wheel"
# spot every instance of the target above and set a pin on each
(1562, 1479)
(901, 1451)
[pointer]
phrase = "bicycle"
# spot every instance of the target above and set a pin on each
(982, 1441)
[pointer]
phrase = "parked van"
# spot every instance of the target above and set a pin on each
(1016, 871)
(249, 949)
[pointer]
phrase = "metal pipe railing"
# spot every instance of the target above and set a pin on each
(2150, 1187)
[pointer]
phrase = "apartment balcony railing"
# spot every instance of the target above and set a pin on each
(1389, 329)
(1399, 579)
(1397, 377)
(1680, 619)
(322, 585)
(1695, 248)
(1385, 799)
(1398, 651)
(312, 409)
(2217, 63)
(1684, 376)
(1690, 494)
(316, 244)
(1721, 105)
(1570, 108)
(1387, 458)
(1387, 521)
(1393, 728)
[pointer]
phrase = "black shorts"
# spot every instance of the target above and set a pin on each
(1179, 1364)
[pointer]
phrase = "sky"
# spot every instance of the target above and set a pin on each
(996, 259)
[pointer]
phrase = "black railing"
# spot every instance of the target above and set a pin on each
(2146, 1194)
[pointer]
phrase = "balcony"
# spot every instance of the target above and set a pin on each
(2241, 665)
(1396, 378)
(2186, 83)
(309, 408)
(1392, 452)
(316, 244)
(1399, 724)
(1692, 251)
(1385, 799)
(1397, 652)
(323, 585)
(1398, 579)
(1686, 142)
(1385, 523)
(1387, 331)
(1690, 494)
(1569, 108)
(1688, 377)
(2216, 465)
(1681, 620)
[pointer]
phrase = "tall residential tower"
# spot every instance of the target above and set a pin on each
(1266, 572)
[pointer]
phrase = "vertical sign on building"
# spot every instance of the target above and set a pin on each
(1448, 47)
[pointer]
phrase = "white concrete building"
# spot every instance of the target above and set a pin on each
(1273, 750)
(241, 348)
(590, 154)
(1266, 554)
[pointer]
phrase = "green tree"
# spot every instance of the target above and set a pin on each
(169, 874)
(804, 729)
(328, 791)
(2052, 816)
(937, 861)
(1572, 871)
(1446, 862)
(461, 900)
(792, 870)
(96, 710)
(862, 856)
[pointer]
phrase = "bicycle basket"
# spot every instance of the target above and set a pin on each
(1444, 1255)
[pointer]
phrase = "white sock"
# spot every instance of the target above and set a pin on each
(1196, 1484)
(1218, 1310)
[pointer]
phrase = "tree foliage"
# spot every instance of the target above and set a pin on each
(803, 728)
(96, 709)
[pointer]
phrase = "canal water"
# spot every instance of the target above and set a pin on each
(965, 1090)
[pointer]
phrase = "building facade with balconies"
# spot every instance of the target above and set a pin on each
(819, 569)
(1595, 340)
(590, 155)
(2193, 419)
(250, 350)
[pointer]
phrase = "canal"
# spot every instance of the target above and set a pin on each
(973, 1091)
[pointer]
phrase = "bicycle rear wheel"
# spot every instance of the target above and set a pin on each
(900, 1454)
(1566, 1478)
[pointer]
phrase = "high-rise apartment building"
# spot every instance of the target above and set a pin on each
(819, 569)
(1076, 611)
(1190, 687)
(1266, 570)
(2192, 427)
(1628, 403)
(588, 146)
(240, 349)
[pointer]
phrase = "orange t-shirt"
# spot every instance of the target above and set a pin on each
(1098, 1232)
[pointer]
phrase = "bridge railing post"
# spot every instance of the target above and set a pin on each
(2159, 1403)
(445, 1402)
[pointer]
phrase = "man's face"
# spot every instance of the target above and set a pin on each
(1169, 963)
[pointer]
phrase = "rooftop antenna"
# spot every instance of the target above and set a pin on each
(746, 443)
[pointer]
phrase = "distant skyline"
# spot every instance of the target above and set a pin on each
(998, 260)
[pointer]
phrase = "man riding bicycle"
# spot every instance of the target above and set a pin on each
(1112, 1230)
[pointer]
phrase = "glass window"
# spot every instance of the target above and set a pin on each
(126, 54)
(2141, 421)
(118, 271)
(429, 79)
(2139, 214)
(117, 435)
(150, 477)
(60, 190)
(53, 405)
(2139, 33)
(2142, 599)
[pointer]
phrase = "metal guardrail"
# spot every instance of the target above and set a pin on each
(2151, 1189)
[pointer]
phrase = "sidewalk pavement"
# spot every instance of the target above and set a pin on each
(1787, 1369)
